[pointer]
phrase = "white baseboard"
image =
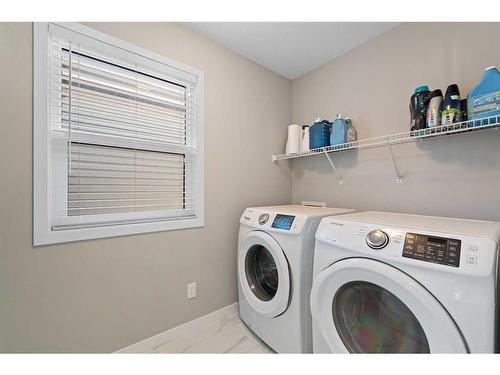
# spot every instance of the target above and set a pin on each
(144, 346)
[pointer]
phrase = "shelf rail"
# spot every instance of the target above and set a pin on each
(393, 139)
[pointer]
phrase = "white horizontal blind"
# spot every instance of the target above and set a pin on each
(123, 141)
(106, 179)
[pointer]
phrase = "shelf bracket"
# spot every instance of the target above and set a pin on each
(339, 177)
(396, 169)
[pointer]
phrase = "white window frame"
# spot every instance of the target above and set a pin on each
(42, 163)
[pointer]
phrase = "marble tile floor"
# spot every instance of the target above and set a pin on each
(219, 332)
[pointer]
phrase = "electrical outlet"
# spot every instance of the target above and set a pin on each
(191, 290)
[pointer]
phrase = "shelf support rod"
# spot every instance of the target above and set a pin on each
(398, 174)
(339, 178)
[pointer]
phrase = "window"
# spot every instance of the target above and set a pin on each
(118, 145)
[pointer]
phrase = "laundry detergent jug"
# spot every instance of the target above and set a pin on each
(484, 99)
(319, 134)
(342, 131)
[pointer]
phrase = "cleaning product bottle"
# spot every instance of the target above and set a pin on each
(342, 131)
(451, 112)
(484, 99)
(433, 115)
(352, 135)
(339, 131)
(304, 143)
(418, 107)
(319, 134)
(463, 108)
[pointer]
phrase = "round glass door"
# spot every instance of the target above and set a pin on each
(370, 319)
(261, 272)
(362, 305)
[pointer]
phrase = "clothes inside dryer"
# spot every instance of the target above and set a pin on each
(370, 319)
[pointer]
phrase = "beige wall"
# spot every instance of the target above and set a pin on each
(105, 294)
(102, 295)
(452, 176)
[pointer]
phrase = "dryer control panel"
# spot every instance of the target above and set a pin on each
(283, 221)
(432, 249)
(275, 222)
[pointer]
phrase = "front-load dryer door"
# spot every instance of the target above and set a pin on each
(362, 305)
(263, 274)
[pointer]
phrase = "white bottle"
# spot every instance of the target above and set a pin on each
(433, 115)
(304, 144)
(293, 140)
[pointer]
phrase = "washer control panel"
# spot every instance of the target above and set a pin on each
(432, 249)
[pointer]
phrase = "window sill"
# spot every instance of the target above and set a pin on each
(70, 235)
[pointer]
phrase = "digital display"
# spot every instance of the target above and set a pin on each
(432, 249)
(437, 241)
(283, 221)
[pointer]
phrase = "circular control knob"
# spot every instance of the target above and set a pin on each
(377, 239)
(263, 219)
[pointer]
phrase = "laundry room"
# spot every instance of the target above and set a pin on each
(249, 186)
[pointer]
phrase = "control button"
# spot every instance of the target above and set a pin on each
(472, 247)
(453, 259)
(471, 260)
(263, 219)
(377, 239)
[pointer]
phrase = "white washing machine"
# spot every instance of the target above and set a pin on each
(389, 283)
(275, 258)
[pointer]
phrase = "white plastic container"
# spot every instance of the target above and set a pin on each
(304, 144)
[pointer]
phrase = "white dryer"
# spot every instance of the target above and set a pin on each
(388, 283)
(275, 258)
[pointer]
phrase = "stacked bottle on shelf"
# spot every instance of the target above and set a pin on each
(429, 109)
(324, 133)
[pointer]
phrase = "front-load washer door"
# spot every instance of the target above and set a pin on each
(263, 274)
(362, 305)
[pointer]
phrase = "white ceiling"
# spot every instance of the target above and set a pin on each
(290, 48)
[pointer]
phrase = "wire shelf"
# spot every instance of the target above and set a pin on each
(393, 139)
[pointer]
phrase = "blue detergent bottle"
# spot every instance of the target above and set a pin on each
(484, 99)
(339, 131)
(319, 134)
(342, 131)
